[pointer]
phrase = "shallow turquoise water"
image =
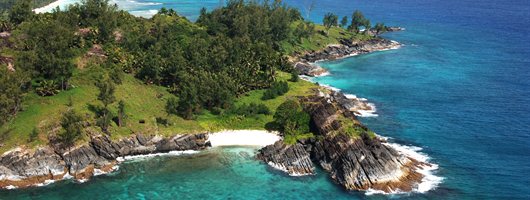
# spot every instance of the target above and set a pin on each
(459, 88)
(219, 173)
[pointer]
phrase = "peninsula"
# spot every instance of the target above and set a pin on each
(83, 88)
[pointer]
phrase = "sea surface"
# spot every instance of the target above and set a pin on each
(459, 89)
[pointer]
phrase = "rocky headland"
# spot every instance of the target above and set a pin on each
(22, 168)
(356, 162)
(306, 63)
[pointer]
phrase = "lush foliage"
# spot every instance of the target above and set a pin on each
(11, 93)
(379, 28)
(161, 70)
(292, 121)
(344, 22)
(250, 110)
(278, 89)
(72, 123)
(358, 20)
(106, 96)
(330, 20)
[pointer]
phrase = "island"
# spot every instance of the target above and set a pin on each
(85, 87)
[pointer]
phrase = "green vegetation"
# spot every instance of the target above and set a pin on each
(344, 22)
(330, 20)
(12, 86)
(379, 28)
(357, 21)
(278, 88)
(317, 39)
(213, 122)
(106, 96)
(292, 121)
(6, 5)
(295, 76)
(72, 123)
(164, 75)
(353, 128)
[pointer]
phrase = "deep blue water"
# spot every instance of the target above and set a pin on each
(459, 88)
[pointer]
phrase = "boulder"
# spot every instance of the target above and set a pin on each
(293, 159)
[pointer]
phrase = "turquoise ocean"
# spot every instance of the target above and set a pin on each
(458, 91)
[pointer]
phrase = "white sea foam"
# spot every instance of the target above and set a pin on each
(143, 13)
(330, 87)
(134, 7)
(429, 181)
(284, 169)
(323, 74)
(143, 157)
(46, 182)
(81, 180)
(51, 6)
(11, 187)
(366, 113)
(243, 138)
(67, 176)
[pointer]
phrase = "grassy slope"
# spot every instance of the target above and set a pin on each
(146, 102)
(216, 123)
(143, 102)
(318, 41)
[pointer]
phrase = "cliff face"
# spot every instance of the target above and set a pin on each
(344, 49)
(24, 168)
(356, 162)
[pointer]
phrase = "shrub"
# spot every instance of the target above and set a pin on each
(172, 105)
(47, 88)
(249, 110)
(33, 135)
(277, 89)
(292, 121)
(163, 121)
(294, 76)
(72, 124)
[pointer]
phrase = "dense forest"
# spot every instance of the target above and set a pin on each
(205, 65)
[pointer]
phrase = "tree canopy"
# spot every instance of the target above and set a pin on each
(330, 20)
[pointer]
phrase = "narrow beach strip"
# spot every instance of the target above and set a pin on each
(259, 138)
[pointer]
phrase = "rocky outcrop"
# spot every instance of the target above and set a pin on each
(346, 48)
(349, 48)
(292, 159)
(24, 168)
(309, 69)
(356, 161)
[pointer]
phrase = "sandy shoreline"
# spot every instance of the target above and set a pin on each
(50, 6)
(243, 138)
(254, 138)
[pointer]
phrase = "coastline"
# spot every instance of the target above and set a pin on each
(104, 155)
(50, 6)
(307, 63)
(256, 138)
(413, 173)
(22, 168)
(428, 180)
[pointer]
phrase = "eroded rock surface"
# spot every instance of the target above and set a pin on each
(292, 159)
(24, 168)
(346, 48)
(357, 162)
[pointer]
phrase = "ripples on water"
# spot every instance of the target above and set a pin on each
(459, 89)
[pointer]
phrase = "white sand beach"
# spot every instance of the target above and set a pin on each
(243, 138)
